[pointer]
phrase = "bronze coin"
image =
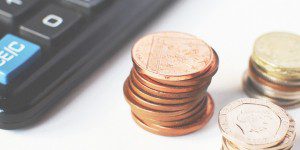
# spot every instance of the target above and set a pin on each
(254, 74)
(164, 88)
(190, 112)
(172, 56)
(181, 130)
(160, 100)
(165, 94)
(197, 80)
(156, 106)
(175, 123)
(136, 107)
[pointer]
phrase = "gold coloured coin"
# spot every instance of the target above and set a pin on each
(256, 76)
(278, 53)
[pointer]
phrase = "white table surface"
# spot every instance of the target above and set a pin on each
(96, 116)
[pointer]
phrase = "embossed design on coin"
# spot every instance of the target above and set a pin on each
(254, 122)
(172, 54)
(279, 49)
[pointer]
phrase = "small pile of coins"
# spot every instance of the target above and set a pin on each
(167, 87)
(274, 69)
(252, 124)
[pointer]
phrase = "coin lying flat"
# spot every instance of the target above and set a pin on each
(256, 124)
(279, 52)
(162, 94)
(196, 80)
(156, 106)
(165, 88)
(179, 121)
(274, 69)
(172, 56)
(179, 130)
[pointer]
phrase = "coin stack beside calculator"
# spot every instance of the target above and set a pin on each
(167, 87)
(256, 124)
(274, 69)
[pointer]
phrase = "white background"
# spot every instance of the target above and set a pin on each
(96, 116)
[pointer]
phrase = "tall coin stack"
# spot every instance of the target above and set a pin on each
(167, 87)
(254, 124)
(274, 69)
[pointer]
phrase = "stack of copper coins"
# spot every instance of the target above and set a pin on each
(274, 69)
(255, 124)
(167, 87)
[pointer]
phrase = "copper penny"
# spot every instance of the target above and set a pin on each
(197, 80)
(162, 87)
(160, 100)
(141, 109)
(181, 130)
(172, 56)
(156, 106)
(161, 94)
(166, 117)
(175, 123)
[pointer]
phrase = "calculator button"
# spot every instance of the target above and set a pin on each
(10, 10)
(15, 55)
(50, 25)
(86, 3)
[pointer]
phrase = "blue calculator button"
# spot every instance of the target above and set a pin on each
(15, 55)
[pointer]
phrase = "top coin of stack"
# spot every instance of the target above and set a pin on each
(254, 124)
(167, 85)
(274, 69)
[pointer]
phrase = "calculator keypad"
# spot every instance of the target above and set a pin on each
(50, 25)
(10, 10)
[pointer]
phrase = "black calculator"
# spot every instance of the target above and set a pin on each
(47, 47)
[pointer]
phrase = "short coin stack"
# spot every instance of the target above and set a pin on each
(274, 69)
(167, 87)
(254, 124)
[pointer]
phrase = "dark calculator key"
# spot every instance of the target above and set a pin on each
(50, 25)
(11, 10)
(86, 3)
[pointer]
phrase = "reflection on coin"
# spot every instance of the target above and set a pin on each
(172, 56)
(253, 123)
